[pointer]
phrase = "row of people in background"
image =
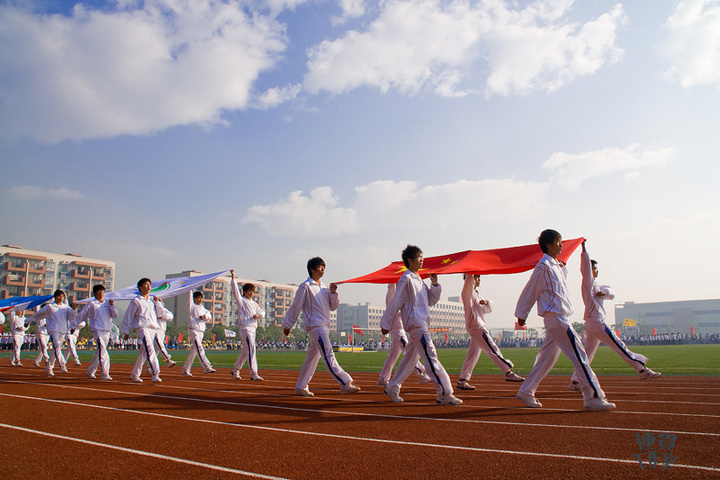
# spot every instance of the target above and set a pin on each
(406, 319)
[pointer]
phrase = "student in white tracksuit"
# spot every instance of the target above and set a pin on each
(248, 314)
(160, 334)
(413, 299)
(59, 316)
(71, 339)
(398, 346)
(17, 328)
(198, 315)
(41, 339)
(596, 330)
(547, 286)
(142, 316)
(315, 300)
(476, 307)
(99, 314)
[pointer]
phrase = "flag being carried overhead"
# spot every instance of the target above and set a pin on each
(166, 288)
(499, 261)
(17, 304)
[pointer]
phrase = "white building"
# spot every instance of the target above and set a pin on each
(671, 317)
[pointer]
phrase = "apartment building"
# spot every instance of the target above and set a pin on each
(25, 272)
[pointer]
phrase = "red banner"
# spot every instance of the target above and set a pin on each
(446, 337)
(499, 261)
(180, 337)
(213, 337)
(438, 329)
(518, 327)
(357, 329)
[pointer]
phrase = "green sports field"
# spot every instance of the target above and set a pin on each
(668, 359)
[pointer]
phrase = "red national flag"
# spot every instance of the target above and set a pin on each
(213, 337)
(499, 261)
(167, 339)
(617, 332)
(446, 337)
(654, 331)
(518, 327)
(357, 329)
(350, 341)
(180, 337)
(692, 331)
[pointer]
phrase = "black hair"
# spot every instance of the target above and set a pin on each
(97, 288)
(314, 263)
(143, 280)
(247, 287)
(548, 236)
(198, 293)
(411, 251)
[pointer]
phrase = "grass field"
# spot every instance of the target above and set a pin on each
(668, 359)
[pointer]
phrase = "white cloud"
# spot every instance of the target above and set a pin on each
(350, 9)
(387, 205)
(302, 216)
(418, 44)
(276, 96)
(693, 43)
(131, 70)
(33, 192)
(570, 170)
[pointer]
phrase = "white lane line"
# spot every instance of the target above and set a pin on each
(140, 452)
(359, 439)
(385, 416)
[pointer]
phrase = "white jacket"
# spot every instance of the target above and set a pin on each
(474, 311)
(413, 299)
(99, 315)
(58, 317)
(247, 308)
(594, 309)
(315, 302)
(547, 286)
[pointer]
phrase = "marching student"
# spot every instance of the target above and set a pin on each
(41, 339)
(71, 339)
(17, 328)
(414, 298)
(398, 346)
(248, 314)
(59, 315)
(198, 315)
(315, 300)
(476, 307)
(548, 287)
(142, 316)
(160, 334)
(99, 314)
(595, 327)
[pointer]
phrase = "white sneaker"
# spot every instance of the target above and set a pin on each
(12, 363)
(646, 373)
(37, 364)
(349, 388)
(78, 364)
(171, 363)
(383, 382)
(448, 400)
(186, 373)
(528, 400)
(464, 385)
(19, 364)
(304, 392)
(49, 373)
(598, 404)
(395, 396)
(209, 370)
(513, 377)
(424, 378)
(136, 379)
(64, 370)
(236, 374)
(91, 375)
(574, 386)
(256, 378)
(156, 379)
(107, 378)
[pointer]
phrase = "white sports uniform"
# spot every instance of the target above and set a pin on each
(247, 309)
(99, 316)
(17, 328)
(71, 342)
(316, 302)
(42, 338)
(480, 338)
(595, 327)
(398, 345)
(160, 334)
(198, 315)
(58, 316)
(413, 299)
(142, 315)
(547, 286)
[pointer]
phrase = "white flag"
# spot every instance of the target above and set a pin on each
(230, 333)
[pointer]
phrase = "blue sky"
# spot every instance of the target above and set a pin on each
(172, 135)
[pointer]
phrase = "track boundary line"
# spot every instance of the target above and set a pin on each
(140, 452)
